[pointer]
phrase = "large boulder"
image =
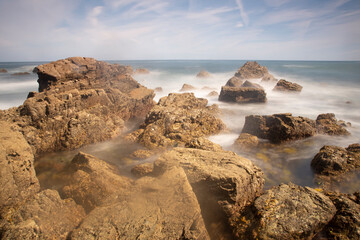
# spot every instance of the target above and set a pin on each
(333, 160)
(17, 174)
(162, 207)
(176, 120)
(326, 123)
(251, 70)
(95, 182)
(285, 212)
(44, 216)
(242, 95)
(81, 101)
(279, 127)
(286, 86)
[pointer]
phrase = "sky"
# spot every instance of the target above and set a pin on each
(43, 30)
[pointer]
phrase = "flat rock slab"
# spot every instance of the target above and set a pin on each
(242, 95)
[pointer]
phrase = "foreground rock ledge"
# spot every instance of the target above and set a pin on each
(81, 101)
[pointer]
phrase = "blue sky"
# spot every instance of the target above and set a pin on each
(180, 29)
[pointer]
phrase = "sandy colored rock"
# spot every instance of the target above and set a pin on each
(279, 127)
(95, 182)
(187, 88)
(327, 124)
(286, 86)
(251, 70)
(285, 212)
(44, 216)
(164, 207)
(234, 82)
(17, 174)
(203, 74)
(246, 141)
(251, 85)
(177, 119)
(333, 160)
(81, 101)
(242, 95)
(142, 154)
(3, 70)
(158, 89)
(268, 78)
(213, 94)
(143, 169)
(204, 144)
(141, 71)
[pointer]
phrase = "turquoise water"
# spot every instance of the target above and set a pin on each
(327, 87)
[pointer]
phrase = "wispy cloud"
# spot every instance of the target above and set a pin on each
(243, 14)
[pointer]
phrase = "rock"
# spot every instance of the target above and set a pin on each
(143, 169)
(343, 123)
(160, 208)
(17, 174)
(251, 85)
(234, 82)
(187, 88)
(20, 74)
(81, 101)
(285, 212)
(251, 70)
(279, 127)
(158, 89)
(3, 70)
(203, 74)
(213, 94)
(346, 223)
(142, 154)
(222, 181)
(44, 216)
(242, 95)
(283, 85)
(95, 182)
(333, 160)
(177, 119)
(246, 141)
(327, 124)
(204, 144)
(268, 78)
(141, 71)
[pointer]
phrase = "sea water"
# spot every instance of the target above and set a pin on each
(328, 87)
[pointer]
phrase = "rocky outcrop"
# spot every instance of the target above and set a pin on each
(234, 82)
(251, 70)
(95, 182)
(333, 160)
(203, 74)
(327, 124)
(17, 174)
(44, 216)
(141, 71)
(160, 208)
(187, 88)
(143, 169)
(286, 86)
(213, 94)
(279, 127)
(242, 95)
(3, 70)
(177, 119)
(285, 212)
(268, 78)
(81, 101)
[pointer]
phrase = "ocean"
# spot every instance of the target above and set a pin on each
(328, 87)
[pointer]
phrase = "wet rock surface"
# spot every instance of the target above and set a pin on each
(85, 100)
(286, 86)
(327, 124)
(285, 212)
(160, 208)
(177, 119)
(242, 95)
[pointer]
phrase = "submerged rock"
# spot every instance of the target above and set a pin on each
(279, 127)
(17, 174)
(246, 141)
(164, 207)
(285, 212)
(234, 82)
(177, 119)
(213, 94)
(283, 85)
(81, 101)
(44, 216)
(333, 160)
(327, 124)
(187, 88)
(203, 74)
(268, 78)
(242, 95)
(251, 70)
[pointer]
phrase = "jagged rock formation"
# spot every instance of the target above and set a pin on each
(333, 160)
(81, 101)
(327, 124)
(285, 212)
(251, 70)
(177, 119)
(286, 86)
